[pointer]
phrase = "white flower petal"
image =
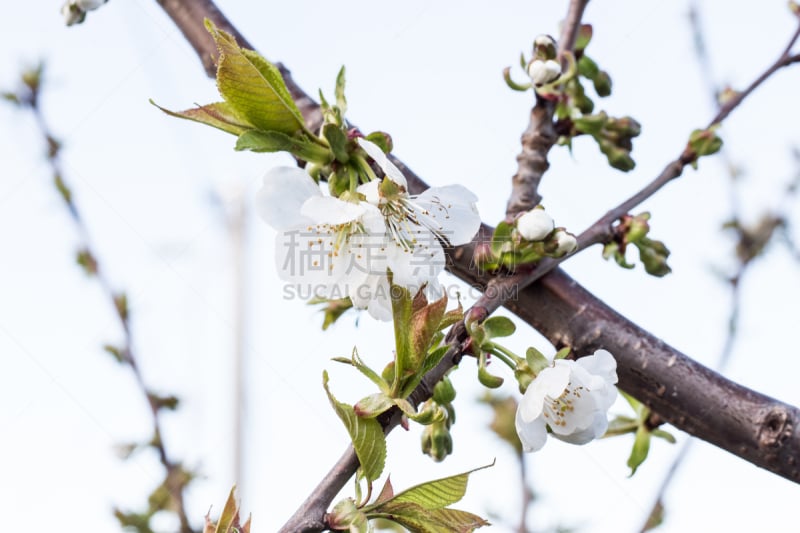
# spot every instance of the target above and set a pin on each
(380, 306)
(532, 434)
(305, 258)
(602, 364)
(283, 193)
(330, 210)
(370, 192)
(373, 294)
(596, 430)
(412, 269)
(88, 5)
(389, 168)
(453, 209)
(551, 382)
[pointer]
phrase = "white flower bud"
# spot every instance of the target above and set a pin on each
(88, 5)
(535, 225)
(544, 41)
(72, 14)
(542, 72)
(74, 11)
(567, 243)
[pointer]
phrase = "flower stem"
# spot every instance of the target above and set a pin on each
(505, 355)
(365, 168)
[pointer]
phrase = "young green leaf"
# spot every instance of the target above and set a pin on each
(254, 87)
(420, 520)
(499, 326)
(436, 494)
(338, 141)
(365, 433)
(641, 447)
(218, 115)
(341, 101)
(373, 405)
(274, 141)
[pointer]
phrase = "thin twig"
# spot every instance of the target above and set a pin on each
(29, 98)
(540, 135)
(735, 281)
(602, 230)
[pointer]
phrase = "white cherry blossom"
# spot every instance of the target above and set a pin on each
(571, 398)
(344, 247)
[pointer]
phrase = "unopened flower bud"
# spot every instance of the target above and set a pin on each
(72, 14)
(638, 227)
(542, 72)
(544, 47)
(444, 392)
(535, 225)
(566, 242)
(602, 83)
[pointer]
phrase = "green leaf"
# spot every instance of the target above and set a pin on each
(365, 433)
(254, 87)
(621, 425)
(373, 405)
(274, 141)
(641, 447)
(638, 407)
(423, 326)
(338, 141)
(382, 139)
(402, 310)
(434, 494)
(499, 326)
(420, 520)
(218, 115)
(432, 359)
(584, 36)
(229, 521)
(562, 353)
(502, 239)
(341, 101)
(373, 376)
(536, 360)
(667, 436)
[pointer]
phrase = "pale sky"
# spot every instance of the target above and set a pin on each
(430, 74)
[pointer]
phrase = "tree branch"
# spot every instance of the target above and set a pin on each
(176, 478)
(753, 426)
(540, 135)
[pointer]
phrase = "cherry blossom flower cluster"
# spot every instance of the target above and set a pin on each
(351, 244)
